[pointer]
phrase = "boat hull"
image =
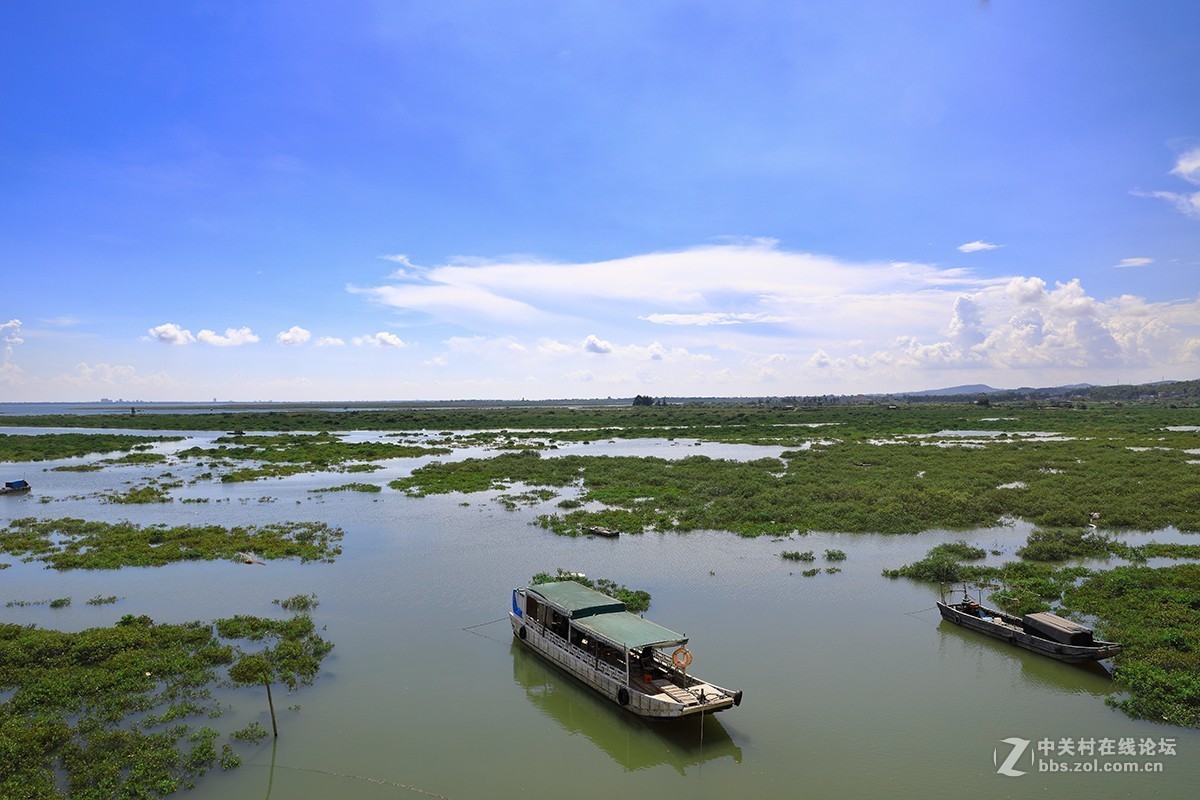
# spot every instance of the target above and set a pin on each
(1011, 632)
(615, 687)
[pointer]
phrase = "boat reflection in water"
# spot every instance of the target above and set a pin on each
(631, 741)
(1085, 677)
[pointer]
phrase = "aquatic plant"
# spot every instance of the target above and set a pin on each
(1152, 612)
(796, 555)
(99, 600)
(351, 487)
(1059, 544)
(835, 555)
(80, 544)
(106, 712)
(47, 446)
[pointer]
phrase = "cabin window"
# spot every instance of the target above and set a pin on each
(533, 609)
(558, 623)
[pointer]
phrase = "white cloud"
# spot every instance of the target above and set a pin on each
(294, 335)
(233, 337)
(329, 341)
(10, 335)
(594, 344)
(170, 333)
(1188, 166)
(381, 339)
(104, 375)
(977, 246)
(1133, 262)
(710, 318)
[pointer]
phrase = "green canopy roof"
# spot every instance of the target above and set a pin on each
(630, 631)
(576, 599)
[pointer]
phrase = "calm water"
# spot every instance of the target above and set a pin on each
(854, 688)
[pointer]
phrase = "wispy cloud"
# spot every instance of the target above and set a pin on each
(1187, 167)
(977, 246)
(329, 341)
(1133, 262)
(10, 335)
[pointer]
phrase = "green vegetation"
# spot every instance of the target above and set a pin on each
(835, 555)
(47, 446)
(290, 454)
(99, 600)
(105, 712)
(61, 602)
(796, 555)
(808, 573)
(857, 484)
(1059, 544)
(79, 544)
(352, 487)
(635, 600)
(1152, 612)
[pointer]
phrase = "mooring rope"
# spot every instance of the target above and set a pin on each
(471, 629)
(378, 781)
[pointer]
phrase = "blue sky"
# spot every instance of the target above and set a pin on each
(357, 200)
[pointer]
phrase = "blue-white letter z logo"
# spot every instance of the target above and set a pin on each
(1018, 748)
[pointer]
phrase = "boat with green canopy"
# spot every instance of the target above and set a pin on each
(639, 664)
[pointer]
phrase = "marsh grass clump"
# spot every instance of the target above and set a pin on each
(796, 555)
(80, 544)
(61, 602)
(635, 600)
(98, 600)
(808, 573)
(1059, 544)
(835, 555)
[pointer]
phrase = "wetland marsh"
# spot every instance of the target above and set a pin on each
(425, 690)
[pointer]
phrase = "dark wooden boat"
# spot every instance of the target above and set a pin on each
(14, 487)
(1047, 634)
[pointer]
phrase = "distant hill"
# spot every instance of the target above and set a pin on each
(972, 388)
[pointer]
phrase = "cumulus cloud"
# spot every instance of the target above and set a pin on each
(1133, 262)
(977, 246)
(170, 333)
(594, 344)
(381, 339)
(294, 335)
(329, 341)
(233, 337)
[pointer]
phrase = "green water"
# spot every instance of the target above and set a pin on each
(853, 686)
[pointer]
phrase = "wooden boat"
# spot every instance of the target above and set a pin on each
(1044, 633)
(15, 487)
(639, 665)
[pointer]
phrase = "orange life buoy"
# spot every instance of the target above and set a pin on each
(682, 658)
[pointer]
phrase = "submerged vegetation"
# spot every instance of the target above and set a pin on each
(109, 712)
(80, 544)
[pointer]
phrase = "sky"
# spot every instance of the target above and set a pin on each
(567, 199)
